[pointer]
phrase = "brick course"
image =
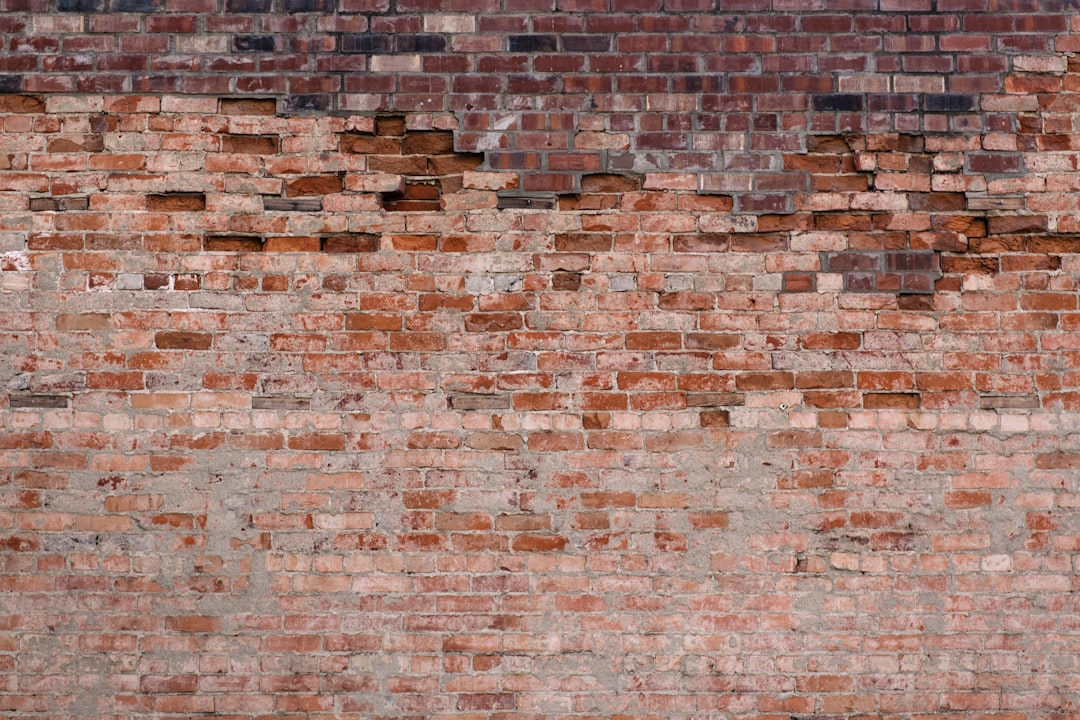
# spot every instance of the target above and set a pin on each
(630, 359)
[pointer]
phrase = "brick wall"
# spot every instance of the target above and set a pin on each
(603, 360)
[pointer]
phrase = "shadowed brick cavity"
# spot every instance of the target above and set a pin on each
(390, 125)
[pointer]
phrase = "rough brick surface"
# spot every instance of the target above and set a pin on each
(317, 402)
(716, 90)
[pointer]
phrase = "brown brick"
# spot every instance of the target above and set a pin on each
(176, 202)
(29, 104)
(183, 340)
(750, 381)
(891, 401)
(354, 243)
(313, 185)
(428, 143)
(232, 243)
(84, 321)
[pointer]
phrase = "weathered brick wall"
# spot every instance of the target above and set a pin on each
(609, 360)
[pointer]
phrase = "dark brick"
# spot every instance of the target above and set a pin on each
(994, 163)
(509, 202)
(937, 201)
(254, 43)
(949, 102)
(60, 204)
(419, 43)
(80, 5)
(248, 6)
(232, 243)
(303, 103)
(302, 6)
(586, 43)
(133, 6)
(566, 281)
(11, 83)
(838, 102)
(305, 204)
(355, 243)
(917, 303)
(365, 43)
(764, 203)
(38, 401)
(533, 43)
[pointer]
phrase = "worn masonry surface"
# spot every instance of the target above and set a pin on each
(511, 360)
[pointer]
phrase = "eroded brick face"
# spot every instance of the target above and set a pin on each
(663, 360)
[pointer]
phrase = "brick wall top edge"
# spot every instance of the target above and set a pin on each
(717, 90)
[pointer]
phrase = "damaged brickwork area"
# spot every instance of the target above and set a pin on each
(628, 359)
(310, 416)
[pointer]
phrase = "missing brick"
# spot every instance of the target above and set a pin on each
(415, 196)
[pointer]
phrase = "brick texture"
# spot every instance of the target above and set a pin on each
(628, 360)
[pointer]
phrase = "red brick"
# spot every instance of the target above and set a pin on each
(183, 340)
(457, 423)
(538, 543)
